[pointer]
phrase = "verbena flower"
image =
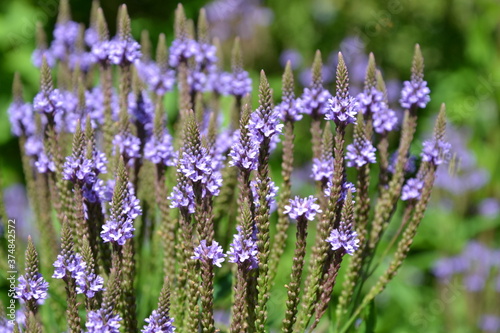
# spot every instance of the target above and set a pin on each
(161, 151)
(94, 104)
(128, 146)
(68, 265)
(264, 125)
(101, 51)
(91, 36)
(243, 250)
(88, 283)
(99, 321)
(78, 170)
(415, 94)
(123, 51)
(302, 208)
(49, 103)
(290, 109)
(34, 288)
(435, 152)
(120, 225)
(206, 55)
(37, 57)
(206, 253)
(85, 60)
(66, 32)
(489, 323)
(371, 101)
(244, 153)
(198, 81)
(314, 101)
(345, 238)
(44, 163)
(360, 153)
(240, 84)
(322, 169)
(412, 189)
(158, 80)
(141, 108)
(384, 120)
(181, 50)
(343, 193)
(158, 324)
(182, 196)
(342, 111)
(270, 197)
(220, 82)
(22, 121)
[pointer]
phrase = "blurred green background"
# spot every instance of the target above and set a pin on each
(460, 40)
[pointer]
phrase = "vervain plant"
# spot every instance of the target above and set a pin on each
(134, 209)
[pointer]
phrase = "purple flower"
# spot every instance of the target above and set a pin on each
(83, 59)
(490, 323)
(120, 225)
(91, 36)
(68, 265)
(345, 238)
(435, 152)
(117, 231)
(244, 153)
(21, 118)
(94, 103)
(314, 101)
(49, 102)
(264, 125)
(205, 253)
(101, 51)
(38, 54)
(206, 55)
(158, 80)
(181, 50)
(371, 101)
(360, 153)
(302, 208)
(157, 323)
(182, 197)
(33, 146)
(412, 189)
(123, 51)
(34, 288)
(290, 109)
(343, 193)
(489, 207)
(342, 111)
(322, 169)
(270, 197)
(221, 82)
(78, 170)
(66, 33)
(198, 81)
(44, 164)
(100, 321)
(240, 84)
(161, 151)
(88, 283)
(128, 146)
(384, 120)
(415, 94)
(243, 250)
(142, 110)
(196, 166)
(291, 55)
